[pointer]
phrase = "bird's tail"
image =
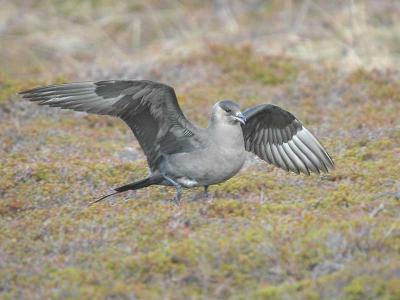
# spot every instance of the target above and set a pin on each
(133, 186)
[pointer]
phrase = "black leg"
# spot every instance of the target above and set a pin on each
(206, 195)
(178, 188)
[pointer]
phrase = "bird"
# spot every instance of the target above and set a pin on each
(181, 154)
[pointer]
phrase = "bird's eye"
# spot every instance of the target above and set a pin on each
(228, 110)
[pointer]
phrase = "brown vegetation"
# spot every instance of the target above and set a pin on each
(264, 234)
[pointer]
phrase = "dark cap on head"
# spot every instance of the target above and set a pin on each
(229, 106)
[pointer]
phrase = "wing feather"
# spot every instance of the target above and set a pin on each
(149, 108)
(305, 153)
(290, 160)
(278, 137)
(284, 157)
(270, 155)
(297, 162)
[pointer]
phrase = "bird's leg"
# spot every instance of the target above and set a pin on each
(178, 188)
(206, 195)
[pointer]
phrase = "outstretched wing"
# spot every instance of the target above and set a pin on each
(276, 136)
(149, 108)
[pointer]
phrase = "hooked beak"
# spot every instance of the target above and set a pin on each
(240, 117)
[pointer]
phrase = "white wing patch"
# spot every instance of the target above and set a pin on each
(302, 153)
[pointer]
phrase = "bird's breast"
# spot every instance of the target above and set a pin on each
(220, 160)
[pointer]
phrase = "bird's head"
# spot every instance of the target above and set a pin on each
(228, 111)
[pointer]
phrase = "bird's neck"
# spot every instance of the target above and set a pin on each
(226, 134)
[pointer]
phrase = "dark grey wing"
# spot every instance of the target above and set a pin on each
(276, 136)
(149, 108)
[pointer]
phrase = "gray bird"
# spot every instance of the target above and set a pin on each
(181, 154)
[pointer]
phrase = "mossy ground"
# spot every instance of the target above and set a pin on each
(264, 234)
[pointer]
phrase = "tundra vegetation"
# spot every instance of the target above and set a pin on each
(264, 234)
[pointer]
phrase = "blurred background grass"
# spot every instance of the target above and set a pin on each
(100, 38)
(265, 234)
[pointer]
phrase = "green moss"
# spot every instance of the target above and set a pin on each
(8, 89)
(243, 65)
(271, 292)
(370, 287)
(302, 290)
(225, 208)
(264, 234)
(380, 85)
